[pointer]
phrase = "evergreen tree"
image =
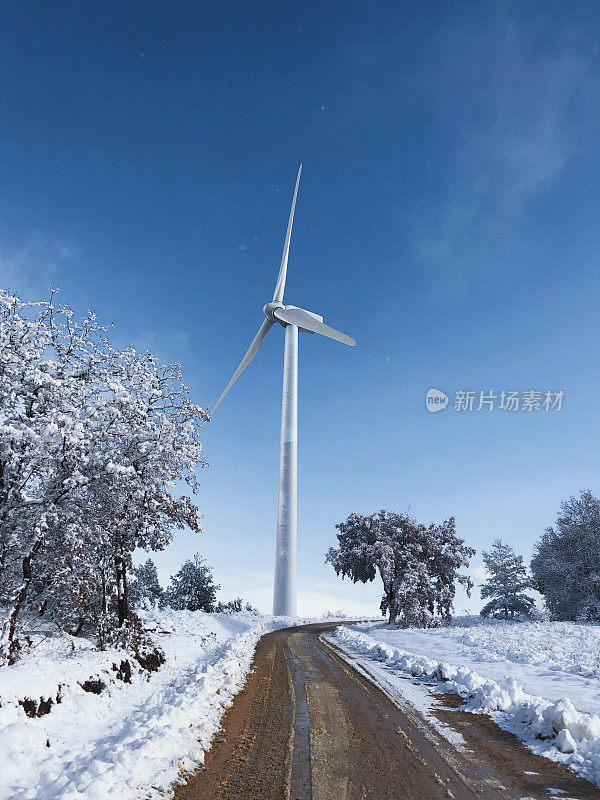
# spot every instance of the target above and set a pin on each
(146, 584)
(566, 561)
(192, 588)
(506, 583)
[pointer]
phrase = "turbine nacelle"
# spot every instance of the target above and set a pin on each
(269, 310)
(271, 314)
(308, 322)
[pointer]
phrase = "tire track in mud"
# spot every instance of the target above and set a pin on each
(309, 726)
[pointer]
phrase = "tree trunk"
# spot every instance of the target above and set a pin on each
(121, 574)
(392, 608)
(9, 642)
(104, 609)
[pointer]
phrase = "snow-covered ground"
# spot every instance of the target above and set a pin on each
(132, 740)
(537, 679)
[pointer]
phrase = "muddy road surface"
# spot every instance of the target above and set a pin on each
(309, 726)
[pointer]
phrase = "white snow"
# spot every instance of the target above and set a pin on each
(131, 741)
(537, 679)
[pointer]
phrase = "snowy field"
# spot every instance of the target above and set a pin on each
(539, 680)
(134, 739)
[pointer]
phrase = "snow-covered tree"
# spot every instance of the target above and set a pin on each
(192, 588)
(234, 606)
(146, 585)
(418, 564)
(92, 440)
(566, 561)
(506, 583)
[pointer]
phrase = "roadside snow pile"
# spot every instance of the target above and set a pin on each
(549, 659)
(121, 732)
(551, 726)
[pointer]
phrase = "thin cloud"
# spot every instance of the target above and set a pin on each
(524, 114)
(31, 270)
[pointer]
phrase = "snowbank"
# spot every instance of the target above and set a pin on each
(134, 739)
(550, 725)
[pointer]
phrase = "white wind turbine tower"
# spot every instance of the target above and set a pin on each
(293, 319)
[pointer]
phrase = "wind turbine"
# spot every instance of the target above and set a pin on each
(292, 319)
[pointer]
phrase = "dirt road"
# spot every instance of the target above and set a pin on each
(308, 726)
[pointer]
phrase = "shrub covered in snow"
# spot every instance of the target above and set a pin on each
(235, 607)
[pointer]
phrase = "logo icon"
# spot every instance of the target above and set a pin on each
(435, 400)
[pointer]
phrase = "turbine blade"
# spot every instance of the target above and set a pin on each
(280, 285)
(250, 353)
(306, 321)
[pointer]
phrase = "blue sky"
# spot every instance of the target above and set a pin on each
(448, 219)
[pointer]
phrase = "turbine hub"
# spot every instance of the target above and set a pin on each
(270, 308)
